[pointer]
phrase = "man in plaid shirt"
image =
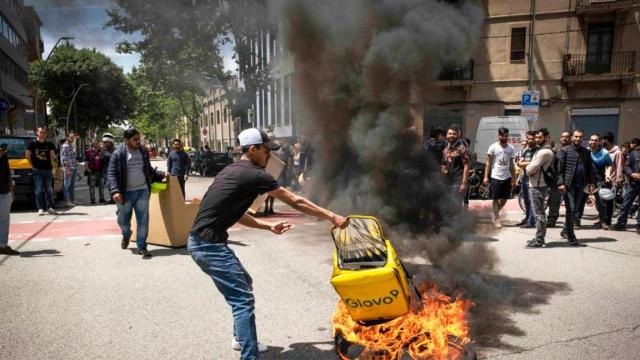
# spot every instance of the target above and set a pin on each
(69, 166)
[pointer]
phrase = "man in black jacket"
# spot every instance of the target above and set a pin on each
(575, 171)
(129, 177)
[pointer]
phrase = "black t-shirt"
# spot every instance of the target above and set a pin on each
(228, 198)
(40, 154)
(5, 175)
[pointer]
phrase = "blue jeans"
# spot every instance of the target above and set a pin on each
(529, 214)
(69, 184)
(631, 192)
(43, 183)
(5, 213)
(572, 200)
(138, 201)
(234, 282)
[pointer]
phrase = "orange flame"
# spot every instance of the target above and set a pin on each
(424, 334)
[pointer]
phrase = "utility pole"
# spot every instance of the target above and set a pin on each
(532, 39)
(44, 64)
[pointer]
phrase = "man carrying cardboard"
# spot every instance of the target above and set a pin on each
(225, 203)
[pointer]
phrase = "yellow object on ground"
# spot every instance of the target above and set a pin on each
(170, 218)
(367, 273)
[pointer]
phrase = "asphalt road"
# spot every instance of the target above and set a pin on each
(74, 294)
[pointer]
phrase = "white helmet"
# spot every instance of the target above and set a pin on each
(606, 194)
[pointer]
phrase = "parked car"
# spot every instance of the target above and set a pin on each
(21, 172)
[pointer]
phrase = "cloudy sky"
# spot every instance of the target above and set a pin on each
(84, 20)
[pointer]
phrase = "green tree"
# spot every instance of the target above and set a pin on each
(181, 47)
(107, 99)
(157, 113)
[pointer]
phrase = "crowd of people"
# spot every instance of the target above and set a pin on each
(548, 174)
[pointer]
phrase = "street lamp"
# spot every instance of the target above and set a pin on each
(35, 100)
(75, 93)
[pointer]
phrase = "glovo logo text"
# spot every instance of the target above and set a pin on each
(383, 300)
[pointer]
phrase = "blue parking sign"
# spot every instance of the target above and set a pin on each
(531, 98)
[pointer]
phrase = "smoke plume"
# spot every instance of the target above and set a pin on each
(362, 68)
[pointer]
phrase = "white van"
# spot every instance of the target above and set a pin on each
(488, 133)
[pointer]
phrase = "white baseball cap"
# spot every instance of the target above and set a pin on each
(254, 136)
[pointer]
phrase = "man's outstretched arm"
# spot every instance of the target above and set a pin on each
(306, 206)
(276, 227)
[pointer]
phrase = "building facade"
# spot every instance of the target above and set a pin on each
(585, 59)
(218, 128)
(275, 106)
(14, 67)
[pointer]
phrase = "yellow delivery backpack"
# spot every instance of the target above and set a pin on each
(367, 273)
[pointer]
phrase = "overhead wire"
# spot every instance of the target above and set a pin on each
(556, 32)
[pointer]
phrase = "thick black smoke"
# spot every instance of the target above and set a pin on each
(362, 69)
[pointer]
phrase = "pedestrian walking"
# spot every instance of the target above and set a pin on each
(523, 179)
(40, 155)
(225, 203)
(541, 172)
(130, 175)
(601, 160)
(69, 168)
(555, 197)
(456, 164)
(6, 198)
(632, 189)
(107, 148)
(94, 169)
(500, 166)
(178, 164)
(575, 172)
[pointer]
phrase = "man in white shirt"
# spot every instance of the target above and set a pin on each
(500, 165)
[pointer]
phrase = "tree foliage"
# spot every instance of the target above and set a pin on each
(181, 47)
(107, 99)
(158, 113)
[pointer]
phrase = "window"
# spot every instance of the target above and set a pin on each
(287, 100)
(218, 116)
(518, 43)
(225, 115)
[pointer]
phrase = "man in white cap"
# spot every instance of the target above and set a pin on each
(225, 203)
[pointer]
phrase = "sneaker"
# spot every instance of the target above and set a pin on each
(40, 212)
(70, 204)
(604, 226)
(497, 224)
(235, 345)
(522, 222)
(563, 234)
(7, 250)
(597, 225)
(124, 243)
(619, 227)
(551, 224)
(575, 242)
(102, 201)
(93, 202)
(534, 245)
(577, 225)
(51, 211)
(145, 253)
(527, 226)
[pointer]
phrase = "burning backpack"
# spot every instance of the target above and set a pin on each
(367, 273)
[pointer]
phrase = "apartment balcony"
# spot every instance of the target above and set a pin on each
(587, 7)
(456, 75)
(590, 67)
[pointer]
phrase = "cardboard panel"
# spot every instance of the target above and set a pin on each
(275, 166)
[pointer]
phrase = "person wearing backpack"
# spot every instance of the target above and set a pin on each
(541, 172)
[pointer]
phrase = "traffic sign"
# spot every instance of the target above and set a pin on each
(4, 104)
(530, 104)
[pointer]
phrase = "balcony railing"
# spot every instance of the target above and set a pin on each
(617, 63)
(457, 72)
(595, 6)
